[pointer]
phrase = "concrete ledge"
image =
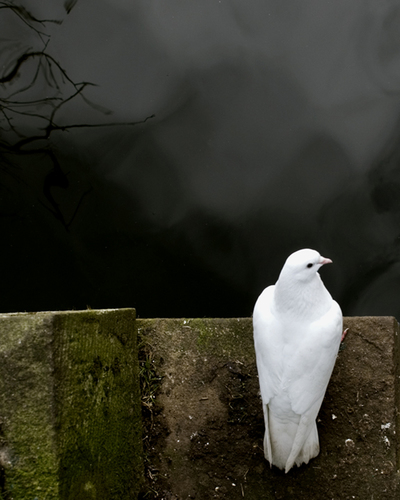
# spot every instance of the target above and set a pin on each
(70, 423)
(205, 439)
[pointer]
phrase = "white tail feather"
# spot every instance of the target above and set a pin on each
(306, 443)
(267, 439)
(289, 442)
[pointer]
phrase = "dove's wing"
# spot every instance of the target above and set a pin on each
(309, 368)
(308, 372)
(268, 342)
(300, 362)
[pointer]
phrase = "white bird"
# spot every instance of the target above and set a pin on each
(297, 334)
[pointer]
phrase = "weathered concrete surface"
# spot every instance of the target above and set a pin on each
(70, 416)
(70, 424)
(204, 437)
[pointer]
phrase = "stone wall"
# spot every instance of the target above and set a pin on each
(208, 425)
(70, 423)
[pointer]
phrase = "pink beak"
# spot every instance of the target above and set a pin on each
(325, 261)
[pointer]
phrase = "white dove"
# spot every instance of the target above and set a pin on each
(297, 334)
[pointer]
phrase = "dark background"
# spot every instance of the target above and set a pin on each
(219, 138)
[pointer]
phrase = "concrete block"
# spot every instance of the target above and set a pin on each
(205, 436)
(70, 414)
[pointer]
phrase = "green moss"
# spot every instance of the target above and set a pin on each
(225, 337)
(70, 422)
(98, 405)
(205, 334)
(26, 408)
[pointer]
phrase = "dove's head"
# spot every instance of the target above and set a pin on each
(304, 264)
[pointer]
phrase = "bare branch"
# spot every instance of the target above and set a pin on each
(24, 110)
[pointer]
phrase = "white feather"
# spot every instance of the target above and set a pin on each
(297, 333)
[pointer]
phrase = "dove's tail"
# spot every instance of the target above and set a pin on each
(290, 441)
(305, 445)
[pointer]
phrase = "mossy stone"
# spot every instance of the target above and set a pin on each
(70, 410)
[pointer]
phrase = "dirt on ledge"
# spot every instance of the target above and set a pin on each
(204, 426)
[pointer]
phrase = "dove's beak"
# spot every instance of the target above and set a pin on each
(325, 261)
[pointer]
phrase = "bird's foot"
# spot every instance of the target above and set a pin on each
(344, 334)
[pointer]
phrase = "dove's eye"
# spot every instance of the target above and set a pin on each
(309, 265)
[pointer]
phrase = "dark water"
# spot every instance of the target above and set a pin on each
(237, 132)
